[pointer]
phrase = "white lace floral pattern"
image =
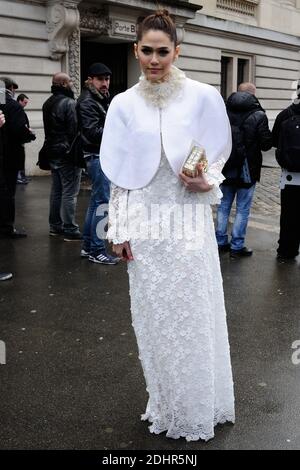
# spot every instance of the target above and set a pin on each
(179, 317)
(118, 220)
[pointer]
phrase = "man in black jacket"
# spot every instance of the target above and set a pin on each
(23, 100)
(3, 276)
(251, 135)
(16, 134)
(92, 106)
(289, 239)
(60, 125)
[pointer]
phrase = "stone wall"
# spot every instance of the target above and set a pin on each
(275, 57)
(24, 55)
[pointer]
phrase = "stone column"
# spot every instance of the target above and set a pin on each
(62, 20)
(73, 62)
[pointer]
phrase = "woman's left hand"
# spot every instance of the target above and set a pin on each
(199, 184)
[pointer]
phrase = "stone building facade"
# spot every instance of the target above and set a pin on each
(223, 42)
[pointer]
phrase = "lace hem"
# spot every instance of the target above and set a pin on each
(197, 434)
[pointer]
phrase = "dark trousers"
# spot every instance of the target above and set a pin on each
(63, 198)
(289, 222)
(8, 182)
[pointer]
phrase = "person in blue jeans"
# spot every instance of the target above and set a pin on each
(244, 197)
(250, 135)
(93, 236)
(92, 106)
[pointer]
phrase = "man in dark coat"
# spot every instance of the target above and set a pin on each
(243, 168)
(289, 239)
(3, 276)
(16, 133)
(60, 125)
(92, 106)
(23, 100)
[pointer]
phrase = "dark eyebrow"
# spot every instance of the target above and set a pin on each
(163, 48)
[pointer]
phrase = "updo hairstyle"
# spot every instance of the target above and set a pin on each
(158, 21)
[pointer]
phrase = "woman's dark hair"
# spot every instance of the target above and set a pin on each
(158, 21)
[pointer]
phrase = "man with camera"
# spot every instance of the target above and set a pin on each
(15, 134)
(3, 276)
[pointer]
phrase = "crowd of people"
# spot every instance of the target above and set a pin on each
(144, 136)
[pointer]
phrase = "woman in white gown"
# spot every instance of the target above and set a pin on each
(161, 222)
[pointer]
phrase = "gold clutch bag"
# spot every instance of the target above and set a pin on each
(197, 155)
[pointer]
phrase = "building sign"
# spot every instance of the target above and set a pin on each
(123, 28)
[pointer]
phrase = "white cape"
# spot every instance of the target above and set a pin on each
(131, 146)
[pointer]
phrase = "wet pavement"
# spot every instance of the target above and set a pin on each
(72, 378)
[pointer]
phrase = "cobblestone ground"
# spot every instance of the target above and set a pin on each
(265, 211)
(267, 196)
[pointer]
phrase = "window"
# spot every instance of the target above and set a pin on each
(234, 70)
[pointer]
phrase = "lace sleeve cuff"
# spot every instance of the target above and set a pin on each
(215, 177)
(117, 224)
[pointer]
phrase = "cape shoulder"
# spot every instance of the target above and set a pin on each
(193, 89)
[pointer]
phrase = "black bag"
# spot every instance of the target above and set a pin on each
(288, 151)
(43, 158)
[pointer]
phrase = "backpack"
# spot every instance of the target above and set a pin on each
(239, 152)
(288, 151)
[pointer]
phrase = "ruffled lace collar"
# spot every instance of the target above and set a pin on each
(160, 94)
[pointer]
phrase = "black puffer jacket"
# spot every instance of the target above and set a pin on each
(91, 111)
(60, 122)
(257, 134)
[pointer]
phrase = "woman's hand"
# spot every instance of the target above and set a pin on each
(123, 251)
(2, 119)
(198, 184)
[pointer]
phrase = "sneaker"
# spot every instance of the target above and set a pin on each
(243, 253)
(84, 253)
(5, 276)
(73, 237)
(104, 258)
(22, 181)
(56, 233)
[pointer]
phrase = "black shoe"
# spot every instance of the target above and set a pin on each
(5, 276)
(244, 252)
(73, 237)
(285, 258)
(224, 248)
(14, 234)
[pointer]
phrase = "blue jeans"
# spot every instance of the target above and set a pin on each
(99, 196)
(244, 198)
(63, 197)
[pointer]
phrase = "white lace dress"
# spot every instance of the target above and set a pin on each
(177, 307)
(178, 315)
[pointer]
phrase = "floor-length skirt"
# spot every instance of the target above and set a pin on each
(178, 314)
